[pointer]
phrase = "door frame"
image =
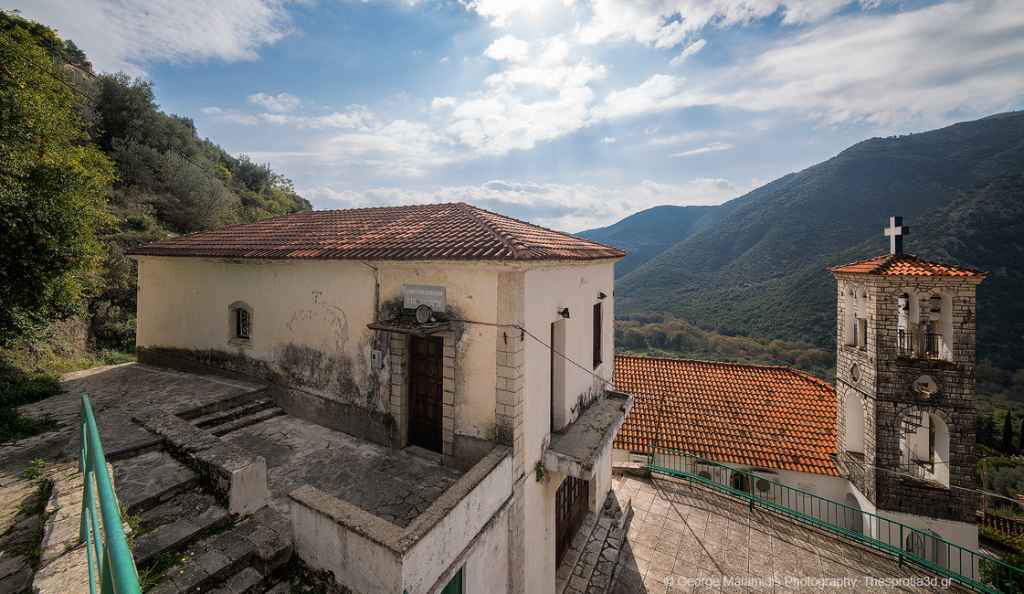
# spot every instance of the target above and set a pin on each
(434, 442)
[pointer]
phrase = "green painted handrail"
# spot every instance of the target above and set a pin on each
(117, 568)
(973, 570)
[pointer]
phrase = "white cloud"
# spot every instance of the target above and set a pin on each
(278, 104)
(891, 69)
(657, 93)
(219, 115)
(130, 34)
(609, 140)
(714, 146)
(508, 48)
(564, 207)
(668, 23)
(691, 49)
(501, 11)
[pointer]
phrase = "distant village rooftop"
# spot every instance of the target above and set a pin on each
(772, 417)
(453, 231)
(905, 265)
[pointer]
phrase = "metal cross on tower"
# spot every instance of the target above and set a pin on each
(896, 231)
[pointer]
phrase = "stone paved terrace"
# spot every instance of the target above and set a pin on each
(116, 393)
(393, 485)
(681, 534)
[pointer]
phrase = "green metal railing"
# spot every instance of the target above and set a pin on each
(949, 560)
(117, 574)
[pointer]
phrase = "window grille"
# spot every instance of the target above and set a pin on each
(242, 324)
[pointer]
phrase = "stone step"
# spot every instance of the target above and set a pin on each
(247, 581)
(595, 568)
(240, 400)
(220, 417)
(572, 565)
(145, 481)
(252, 419)
(234, 562)
(178, 522)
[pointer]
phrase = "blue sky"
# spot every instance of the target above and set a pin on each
(569, 113)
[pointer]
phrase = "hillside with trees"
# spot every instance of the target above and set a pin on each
(761, 270)
(90, 167)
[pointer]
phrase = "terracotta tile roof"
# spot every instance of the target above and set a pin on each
(905, 265)
(1011, 526)
(772, 417)
(455, 231)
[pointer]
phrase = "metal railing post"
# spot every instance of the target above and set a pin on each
(833, 517)
(117, 573)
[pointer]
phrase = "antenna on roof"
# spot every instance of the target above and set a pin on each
(895, 232)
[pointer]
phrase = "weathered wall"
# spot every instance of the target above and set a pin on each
(308, 319)
(309, 334)
(547, 290)
(460, 533)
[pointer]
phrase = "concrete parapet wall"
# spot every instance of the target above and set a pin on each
(368, 554)
(236, 475)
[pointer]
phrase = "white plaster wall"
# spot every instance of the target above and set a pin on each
(364, 566)
(539, 537)
(324, 305)
(547, 290)
(959, 533)
(435, 551)
(486, 567)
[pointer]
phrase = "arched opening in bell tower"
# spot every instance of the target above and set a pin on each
(924, 446)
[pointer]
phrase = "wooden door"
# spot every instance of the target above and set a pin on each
(426, 391)
(570, 509)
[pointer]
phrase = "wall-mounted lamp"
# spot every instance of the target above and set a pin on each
(564, 312)
(601, 296)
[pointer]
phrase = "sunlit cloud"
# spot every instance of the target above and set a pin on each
(130, 35)
(570, 208)
(714, 146)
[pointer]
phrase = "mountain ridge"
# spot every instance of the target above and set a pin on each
(761, 269)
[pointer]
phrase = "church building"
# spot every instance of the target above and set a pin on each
(464, 337)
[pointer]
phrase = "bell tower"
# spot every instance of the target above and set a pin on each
(905, 383)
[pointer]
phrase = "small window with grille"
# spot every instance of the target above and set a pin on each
(240, 323)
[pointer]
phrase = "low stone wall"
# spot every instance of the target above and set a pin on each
(236, 475)
(368, 554)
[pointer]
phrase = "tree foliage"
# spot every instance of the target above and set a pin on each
(52, 187)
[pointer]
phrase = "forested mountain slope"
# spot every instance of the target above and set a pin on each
(762, 269)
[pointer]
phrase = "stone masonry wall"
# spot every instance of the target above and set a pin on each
(888, 378)
(509, 411)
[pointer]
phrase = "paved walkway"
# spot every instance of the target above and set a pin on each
(689, 539)
(393, 485)
(116, 392)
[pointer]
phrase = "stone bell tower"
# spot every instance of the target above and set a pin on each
(905, 383)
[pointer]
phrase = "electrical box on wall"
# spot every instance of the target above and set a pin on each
(377, 359)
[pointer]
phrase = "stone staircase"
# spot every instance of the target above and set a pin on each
(223, 418)
(188, 542)
(182, 538)
(592, 561)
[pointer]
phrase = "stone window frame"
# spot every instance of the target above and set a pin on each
(233, 337)
(398, 343)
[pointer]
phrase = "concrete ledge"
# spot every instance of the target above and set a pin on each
(579, 451)
(236, 475)
(368, 554)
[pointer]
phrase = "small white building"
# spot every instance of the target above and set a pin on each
(504, 374)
